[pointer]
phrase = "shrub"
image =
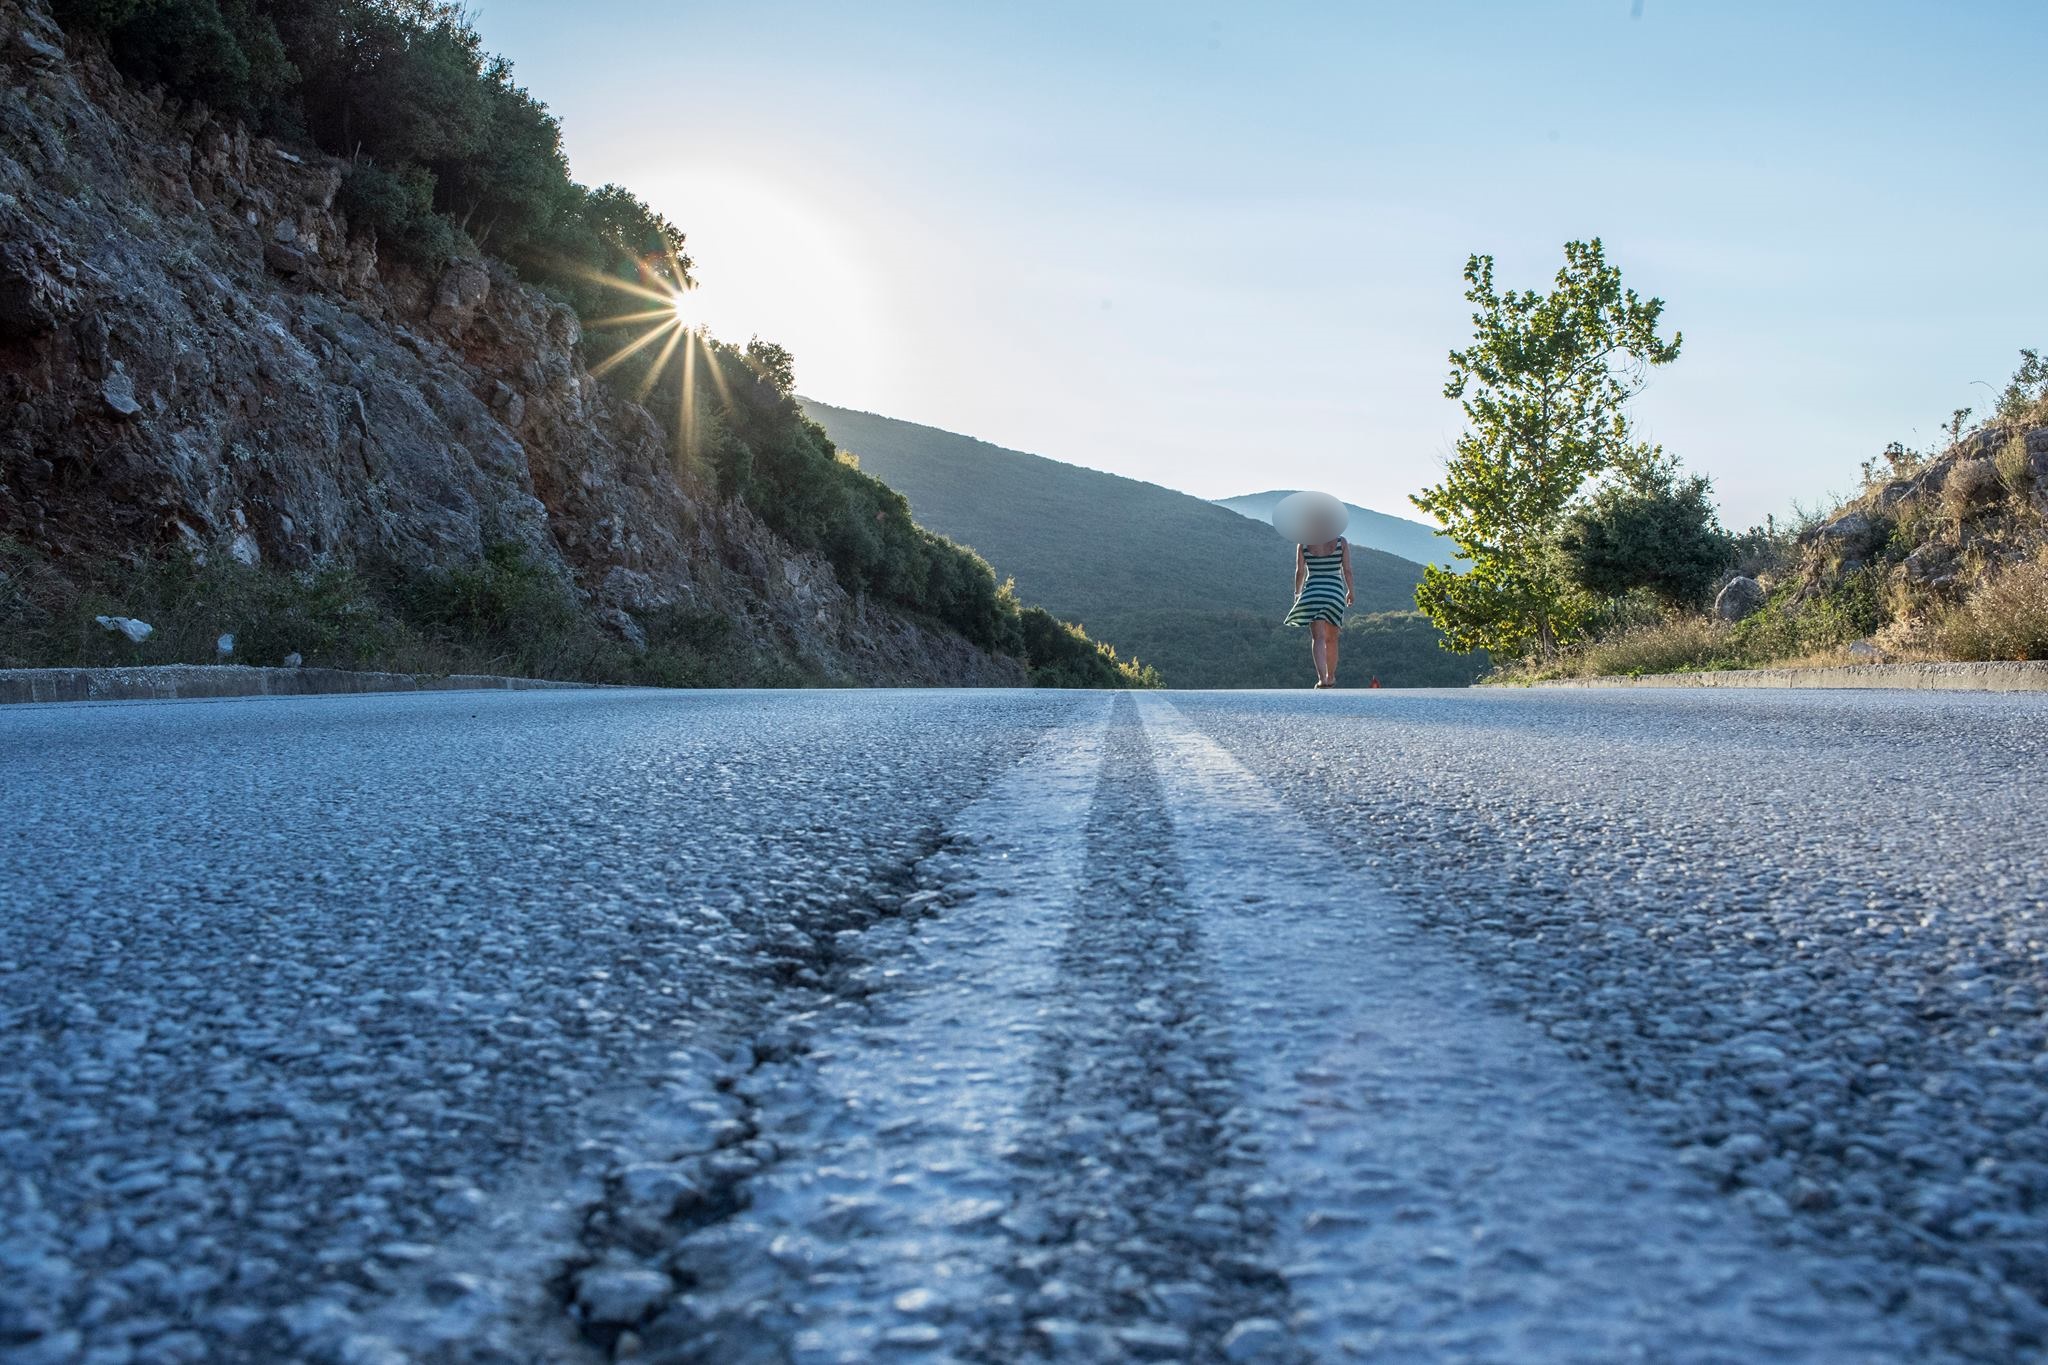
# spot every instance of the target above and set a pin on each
(1656, 532)
(398, 206)
(1060, 654)
(2006, 618)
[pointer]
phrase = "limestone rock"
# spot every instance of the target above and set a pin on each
(463, 289)
(135, 631)
(117, 391)
(1739, 598)
(285, 259)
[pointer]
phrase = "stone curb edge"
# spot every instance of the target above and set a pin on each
(1931, 677)
(171, 682)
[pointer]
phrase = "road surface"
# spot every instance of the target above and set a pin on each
(734, 1027)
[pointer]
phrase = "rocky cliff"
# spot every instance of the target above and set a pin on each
(196, 352)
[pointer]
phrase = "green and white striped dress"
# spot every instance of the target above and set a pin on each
(1322, 592)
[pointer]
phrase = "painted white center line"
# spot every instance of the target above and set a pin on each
(1448, 1184)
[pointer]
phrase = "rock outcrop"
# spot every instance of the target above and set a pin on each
(1934, 531)
(196, 351)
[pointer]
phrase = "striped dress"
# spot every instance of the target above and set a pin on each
(1322, 592)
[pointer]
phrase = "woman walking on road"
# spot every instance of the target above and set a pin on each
(1322, 573)
(1322, 590)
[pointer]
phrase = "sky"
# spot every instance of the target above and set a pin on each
(1218, 246)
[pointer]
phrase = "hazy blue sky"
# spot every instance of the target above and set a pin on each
(1218, 246)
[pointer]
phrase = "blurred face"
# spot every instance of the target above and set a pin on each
(1309, 518)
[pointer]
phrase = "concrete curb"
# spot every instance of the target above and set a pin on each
(1985, 677)
(168, 682)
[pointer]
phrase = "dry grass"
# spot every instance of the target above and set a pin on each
(2015, 469)
(2005, 618)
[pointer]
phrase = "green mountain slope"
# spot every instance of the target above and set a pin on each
(1193, 588)
(1396, 535)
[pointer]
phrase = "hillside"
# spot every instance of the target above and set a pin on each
(1409, 540)
(1190, 587)
(253, 394)
(1941, 556)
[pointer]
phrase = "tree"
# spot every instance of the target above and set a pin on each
(1651, 530)
(1544, 386)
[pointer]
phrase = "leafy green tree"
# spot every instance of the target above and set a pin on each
(773, 363)
(1653, 530)
(1544, 386)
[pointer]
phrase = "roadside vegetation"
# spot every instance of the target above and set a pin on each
(448, 157)
(1596, 554)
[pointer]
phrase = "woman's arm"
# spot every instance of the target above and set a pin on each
(1300, 569)
(1347, 573)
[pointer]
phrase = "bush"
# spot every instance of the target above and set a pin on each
(2006, 618)
(225, 54)
(398, 206)
(1655, 532)
(1061, 655)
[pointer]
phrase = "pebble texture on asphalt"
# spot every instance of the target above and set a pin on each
(988, 1027)
(1806, 932)
(294, 990)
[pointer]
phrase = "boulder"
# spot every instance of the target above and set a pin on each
(1932, 563)
(117, 391)
(285, 260)
(136, 631)
(1739, 598)
(1854, 532)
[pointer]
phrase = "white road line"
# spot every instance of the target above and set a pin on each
(881, 1222)
(1450, 1185)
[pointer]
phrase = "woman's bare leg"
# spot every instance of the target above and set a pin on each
(1324, 645)
(1315, 647)
(1330, 644)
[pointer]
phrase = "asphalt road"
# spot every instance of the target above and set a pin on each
(1003, 1026)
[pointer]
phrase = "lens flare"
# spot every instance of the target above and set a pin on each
(664, 282)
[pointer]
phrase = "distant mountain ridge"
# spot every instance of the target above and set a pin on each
(1410, 540)
(1192, 587)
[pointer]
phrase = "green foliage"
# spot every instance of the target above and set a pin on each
(431, 124)
(1061, 655)
(1543, 385)
(1653, 530)
(398, 206)
(223, 53)
(503, 615)
(1790, 625)
(774, 364)
(2025, 398)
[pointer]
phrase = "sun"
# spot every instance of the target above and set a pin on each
(664, 283)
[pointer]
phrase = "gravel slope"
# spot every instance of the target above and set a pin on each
(1208, 1027)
